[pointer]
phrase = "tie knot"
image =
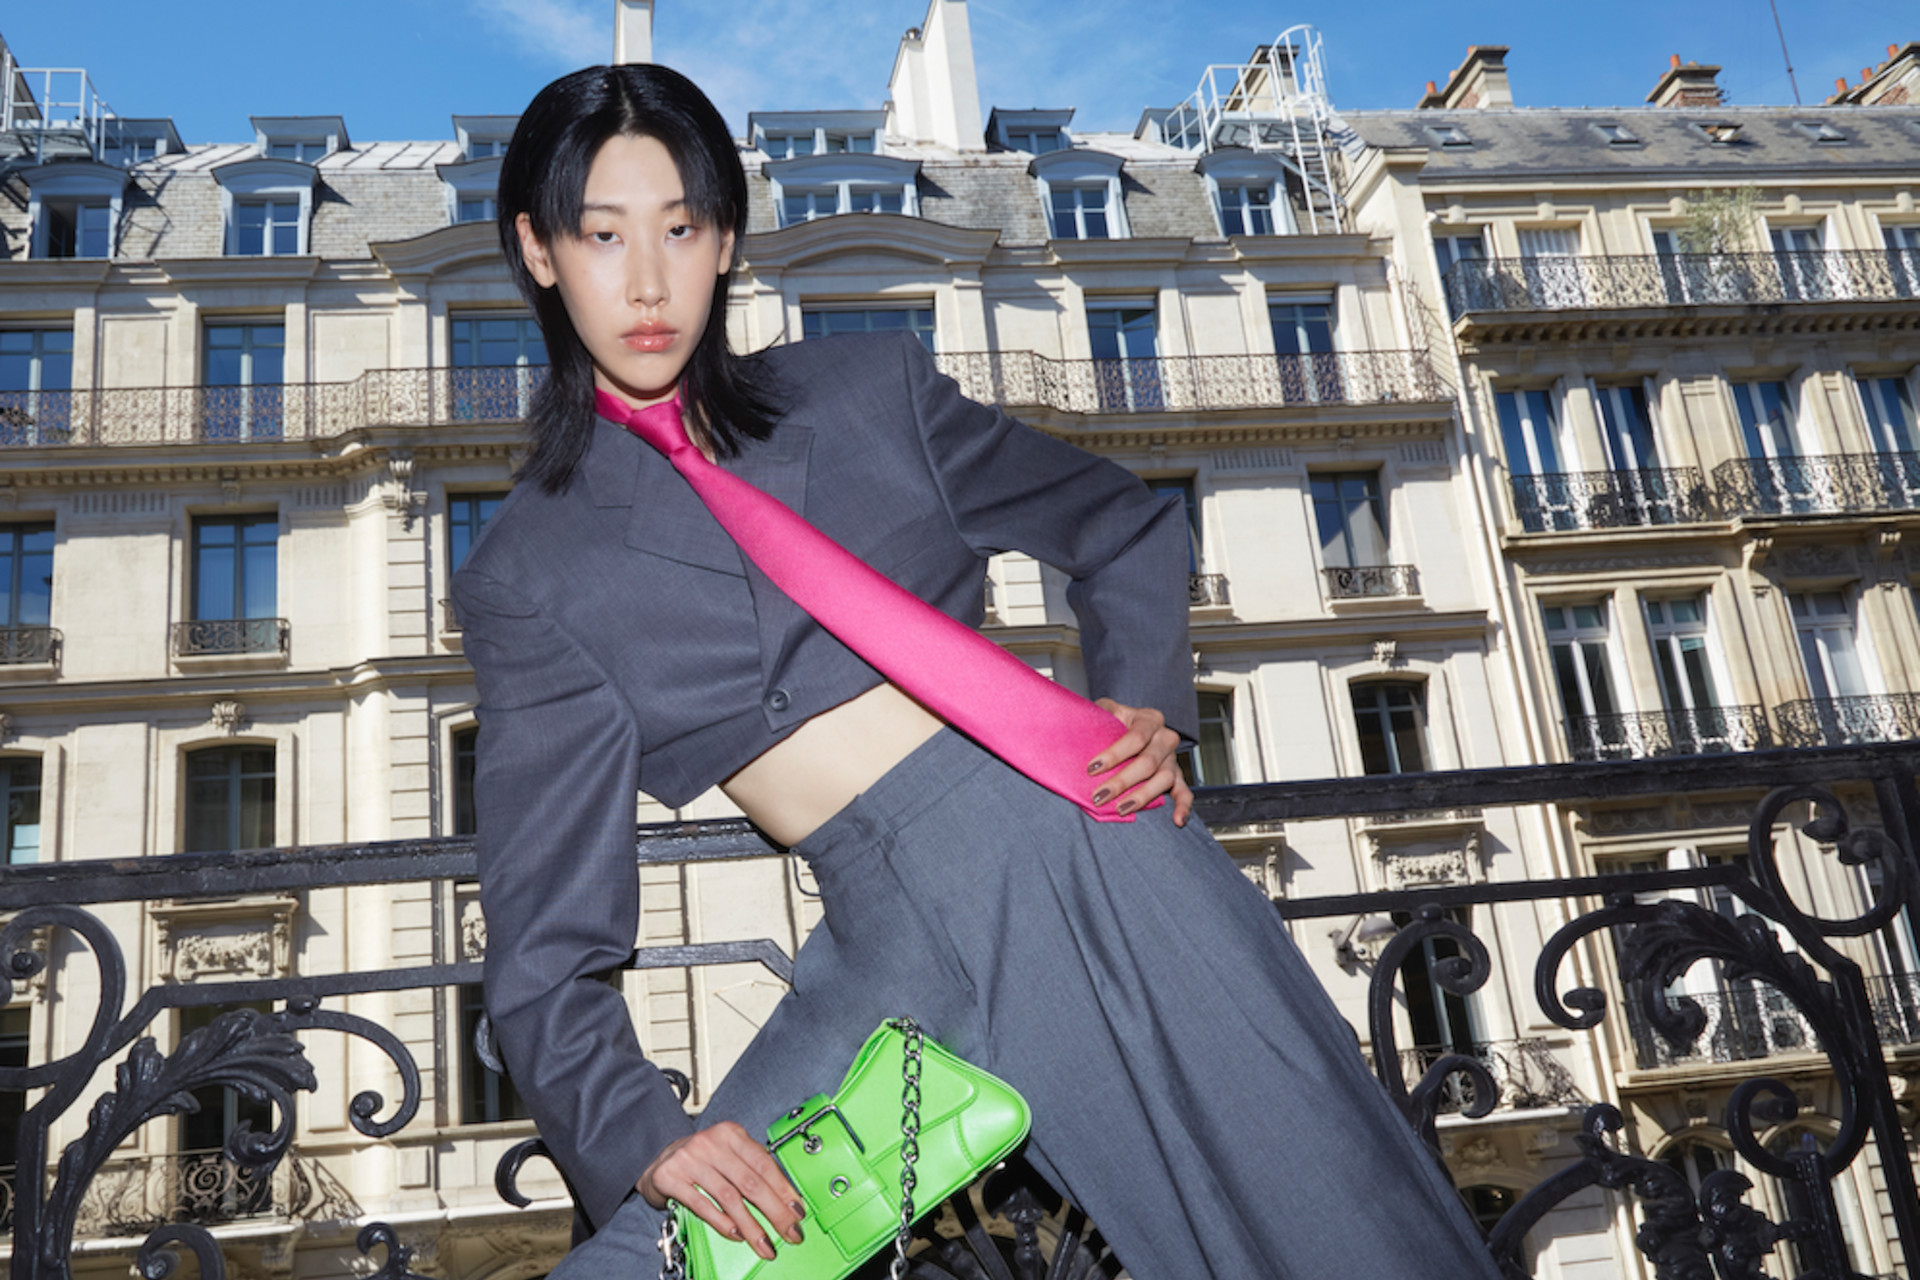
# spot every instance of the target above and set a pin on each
(660, 425)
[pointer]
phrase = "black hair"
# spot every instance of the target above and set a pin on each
(544, 175)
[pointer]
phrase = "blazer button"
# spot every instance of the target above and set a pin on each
(778, 700)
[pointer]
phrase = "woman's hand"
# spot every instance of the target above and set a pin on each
(1147, 748)
(715, 1173)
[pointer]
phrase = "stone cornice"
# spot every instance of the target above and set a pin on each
(1411, 625)
(1325, 424)
(463, 244)
(70, 699)
(808, 242)
(1481, 332)
(353, 454)
(239, 270)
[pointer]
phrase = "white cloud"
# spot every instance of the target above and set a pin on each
(573, 33)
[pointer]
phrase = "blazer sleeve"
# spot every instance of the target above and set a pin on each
(1008, 487)
(554, 793)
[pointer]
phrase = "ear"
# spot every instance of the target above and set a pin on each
(535, 253)
(726, 250)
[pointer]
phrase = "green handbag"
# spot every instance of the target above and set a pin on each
(910, 1121)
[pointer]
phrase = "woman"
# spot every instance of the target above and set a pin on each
(1192, 1087)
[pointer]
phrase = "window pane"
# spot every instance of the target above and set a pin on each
(465, 748)
(250, 225)
(20, 794)
(1212, 763)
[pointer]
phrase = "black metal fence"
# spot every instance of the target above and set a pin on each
(1787, 985)
(1639, 735)
(1819, 484)
(1352, 582)
(1563, 500)
(1839, 722)
(1567, 282)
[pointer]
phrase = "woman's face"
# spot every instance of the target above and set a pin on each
(638, 280)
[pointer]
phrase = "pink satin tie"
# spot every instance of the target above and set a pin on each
(1045, 731)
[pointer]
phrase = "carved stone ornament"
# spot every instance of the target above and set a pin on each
(1480, 1153)
(1449, 866)
(473, 931)
(229, 716)
(1419, 850)
(1264, 870)
(400, 495)
(1542, 1143)
(1386, 654)
(242, 939)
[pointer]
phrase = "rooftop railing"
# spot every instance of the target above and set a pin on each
(1809, 999)
(1568, 282)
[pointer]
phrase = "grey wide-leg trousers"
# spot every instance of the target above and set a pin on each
(1193, 1088)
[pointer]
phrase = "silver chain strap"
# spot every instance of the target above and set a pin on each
(909, 1142)
(673, 1261)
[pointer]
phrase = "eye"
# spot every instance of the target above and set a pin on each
(684, 231)
(603, 237)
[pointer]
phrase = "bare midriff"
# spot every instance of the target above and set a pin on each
(816, 771)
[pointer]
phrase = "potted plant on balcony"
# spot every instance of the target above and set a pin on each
(1717, 243)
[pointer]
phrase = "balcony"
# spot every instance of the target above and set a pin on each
(1743, 1021)
(1895, 1001)
(1525, 1073)
(1207, 591)
(1641, 735)
(204, 1188)
(21, 646)
(1185, 383)
(1618, 282)
(1834, 722)
(1560, 501)
(1371, 582)
(1819, 484)
(231, 637)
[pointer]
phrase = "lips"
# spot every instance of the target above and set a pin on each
(648, 337)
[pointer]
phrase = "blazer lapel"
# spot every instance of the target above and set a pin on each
(667, 518)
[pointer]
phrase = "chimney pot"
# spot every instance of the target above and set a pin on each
(1866, 74)
(1432, 87)
(1840, 85)
(1673, 60)
(1891, 50)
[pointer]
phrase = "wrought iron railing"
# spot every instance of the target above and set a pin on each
(1348, 582)
(1181, 383)
(208, 637)
(1525, 1073)
(29, 644)
(207, 1188)
(1206, 590)
(1639, 735)
(1565, 500)
(1567, 282)
(298, 411)
(1792, 988)
(1739, 1023)
(1837, 722)
(1895, 998)
(1819, 484)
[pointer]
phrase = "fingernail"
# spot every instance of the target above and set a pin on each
(734, 1232)
(799, 1210)
(793, 1234)
(1096, 767)
(1126, 806)
(1100, 796)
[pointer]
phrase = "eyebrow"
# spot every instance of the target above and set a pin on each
(666, 206)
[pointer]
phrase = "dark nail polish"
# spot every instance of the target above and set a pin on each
(1100, 797)
(1095, 767)
(799, 1210)
(793, 1234)
(1126, 806)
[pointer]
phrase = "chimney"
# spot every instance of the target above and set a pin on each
(1894, 83)
(1479, 81)
(932, 95)
(1687, 85)
(632, 31)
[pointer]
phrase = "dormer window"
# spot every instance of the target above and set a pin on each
(483, 137)
(1249, 192)
(1719, 132)
(1820, 131)
(806, 188)
(471, 185)
(303, 139)
(1037, 133)
(1617, 135)
(269, 206)
(1449, 135)
(816, 142)
(73, 207)
(1080, 190)
(793, 135)
(139, 141)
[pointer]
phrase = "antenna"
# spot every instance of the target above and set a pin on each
(1784, 55)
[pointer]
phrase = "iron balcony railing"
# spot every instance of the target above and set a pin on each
(1641, 735)
(29, 644)
(1179, 383)
(1207, 590)
(1741, 1022)
(1352, 582)
(1819, 484)
(1568, 282)
(1793, 986)
(1836, 722)
(437, 397)
(210, 637)
(1895, 998)
(1559, 501)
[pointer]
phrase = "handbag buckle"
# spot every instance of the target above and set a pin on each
(810, 1142)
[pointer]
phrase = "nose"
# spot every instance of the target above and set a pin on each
(647, 278)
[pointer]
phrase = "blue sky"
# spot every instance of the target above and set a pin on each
(399, 68)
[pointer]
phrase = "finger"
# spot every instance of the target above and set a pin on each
(1157, 784)
(1182, 802)
(1125, 747)
(745, 1225)
(705, 1192)
(763, 1182)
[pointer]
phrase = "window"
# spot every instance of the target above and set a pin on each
(1124, 342)
(1617, 135)
(806, 204)
(305, 150)
(244, 397)
(1449, 135)
(1903, 256)
(466, 744)
(474, 209)
(497, 362)
(1542, 497)
(208, 1189)
(1799, 253)
(78, 229)
(1037, 142)
(36, 373)
(487, 1097)
(1888, 403)
(1246, 210)
(1823, 621)
(1440, 1020)
(1695, 721)
(1351, 517)
(1466, 287)
(16, 1027)
(266, 228)
(1551, 268)
(20, 818)
(482, 148)
(235, 584)
(26, 592)
(132, 151)
(824, 322)
(229, 799)
(1820, 131)
(1303, 342)
(1391, 716)
(467, 515)
(1766, 419)
(1209, 762)
(1628, 427)
(1080, 213)
(1580, 646)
